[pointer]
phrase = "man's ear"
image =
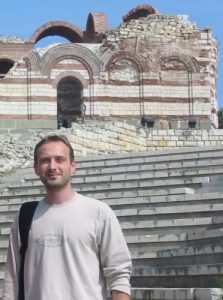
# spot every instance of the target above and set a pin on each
(35, 168)
(73, 167)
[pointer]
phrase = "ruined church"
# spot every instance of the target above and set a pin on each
(153, 65)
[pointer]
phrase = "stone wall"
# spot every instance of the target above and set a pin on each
(156, 27)
(156, 65)
(96, 138)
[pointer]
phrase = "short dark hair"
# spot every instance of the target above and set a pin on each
(54, 138)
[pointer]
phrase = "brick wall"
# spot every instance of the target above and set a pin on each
(157, 65)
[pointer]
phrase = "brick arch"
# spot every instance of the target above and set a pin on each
(139, 11)
(64, 29)
(96, 22)
(190, 62)
(60, 52)
(96, 25)
(32, 61)
(72, 74)
(140, 63)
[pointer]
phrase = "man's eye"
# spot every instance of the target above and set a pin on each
(60, 159)
(44, 160)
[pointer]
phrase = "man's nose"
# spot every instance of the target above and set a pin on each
(52, 164)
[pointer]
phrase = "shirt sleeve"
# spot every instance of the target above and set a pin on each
(114, 253)
(10, 287)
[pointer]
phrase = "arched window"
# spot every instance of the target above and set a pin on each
(124, 70)
(5, 66)
(69, 101)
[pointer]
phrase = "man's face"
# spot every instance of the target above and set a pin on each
(53, 165)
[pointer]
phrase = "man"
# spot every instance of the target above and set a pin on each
(75, 248)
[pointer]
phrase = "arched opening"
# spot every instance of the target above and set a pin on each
(51, 41)
(58, 28)
(140, 11)
(69, 101)
(5, 66)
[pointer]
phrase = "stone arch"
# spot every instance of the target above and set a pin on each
(64, 29)
(139, 11)
(82, 54)
(136, 79)
(190, 62)
(186, 76)
(32, 61)
(71, 74)
(96, 22)
(108, 63)
(96, 25)
(124, 71)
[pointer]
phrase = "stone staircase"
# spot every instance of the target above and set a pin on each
(170, 207)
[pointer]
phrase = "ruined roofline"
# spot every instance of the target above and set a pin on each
(142, 10)
(11, 39)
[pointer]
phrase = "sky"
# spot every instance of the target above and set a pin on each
(22, 18)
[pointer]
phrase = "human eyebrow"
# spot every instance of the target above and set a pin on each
(44, 159)
(60, 158)
(57, 158)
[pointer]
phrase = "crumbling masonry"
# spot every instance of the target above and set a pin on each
(152, 65)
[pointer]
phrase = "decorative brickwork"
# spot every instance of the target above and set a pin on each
(73, 74)
(151, 65)
(82, 54)
(140, 11)
(65, 29)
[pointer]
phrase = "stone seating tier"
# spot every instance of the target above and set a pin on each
(173, 228)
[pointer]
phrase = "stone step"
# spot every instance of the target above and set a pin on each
(205, 249)
(139, 201)
(198, 154)
(175, 225)
(212, 186)
(176, 293)
(203, 276)
(159, 216)
(197, 235)
(158, 242)
(165, 200)
(180, 167)
(164, 155)
(153, 156)
(142, 249)
(154, 165)
(36, 194)
(174, 235)
(170, 212)
(102, 193)
(211, 254)
(154, 170)
(134, 228)
(119, 185)
(163, 175)
(182, 256)
(161, 293)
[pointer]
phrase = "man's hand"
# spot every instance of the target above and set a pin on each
(117, 295)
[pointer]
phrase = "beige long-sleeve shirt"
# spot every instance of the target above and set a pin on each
(75, 250)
